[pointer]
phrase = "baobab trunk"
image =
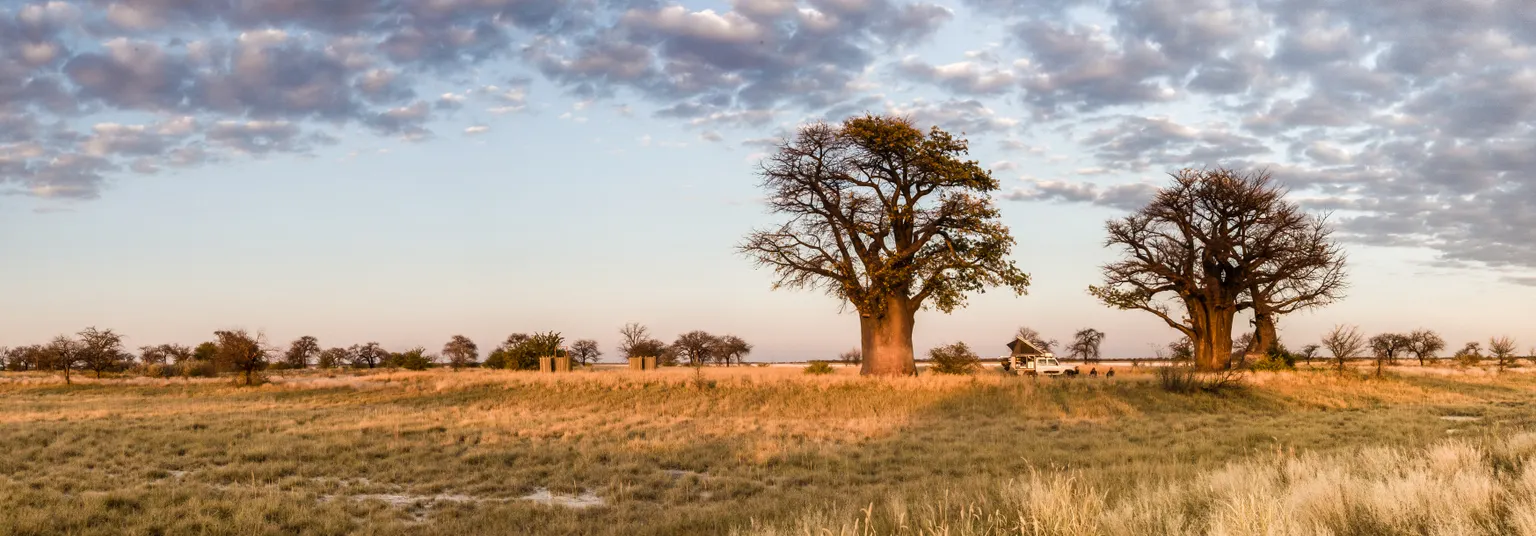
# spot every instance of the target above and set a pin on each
(1213, 349)
(1265, 336)
(887, 340)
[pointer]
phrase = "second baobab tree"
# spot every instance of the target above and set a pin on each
(887, 218)
(1213, 243)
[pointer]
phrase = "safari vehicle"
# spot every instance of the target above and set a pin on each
(1027, 359)
(1046, 365)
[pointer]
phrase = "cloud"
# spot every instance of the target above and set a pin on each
(476, 129)
(1121, 196)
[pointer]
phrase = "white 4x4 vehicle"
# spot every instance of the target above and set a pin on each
(1047, 366)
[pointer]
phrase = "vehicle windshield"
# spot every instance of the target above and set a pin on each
(1049, 362)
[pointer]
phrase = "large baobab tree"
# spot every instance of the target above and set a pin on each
(1193, 256)
(888, 219)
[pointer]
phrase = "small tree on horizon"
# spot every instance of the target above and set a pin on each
(851, 357)
(1424, 344)
(1503, 348)
(333, 358)
(1344, 342)
(368, 355)
(585, 351)
(242, 352)
(1386, 347)
(302, 351)
(460, 352)
(1309, 351)
(62, 353)
(730, 348)
(101, 350)
(697, 347)
(1085, 344)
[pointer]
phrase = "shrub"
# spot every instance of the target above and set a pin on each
(1277, 358)
(819, 367)
(197, 368)
(1181, 377)
(955, 358)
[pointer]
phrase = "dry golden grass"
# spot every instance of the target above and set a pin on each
(752, 449)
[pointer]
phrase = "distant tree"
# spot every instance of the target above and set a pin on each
(334, 357)
(1035, 338)
(1085, 344)
(1309, 351)
(5, 357)
(1387, 347)
(412, 359)
(1181, 350)
(1424, 344)
(62, 353)
(547, 344)
(25, 358)
(730, 348)
(1200, 251)
(461, 352)
(302, 351)
(1503, 348)
(164, 354)
(368, 355)
(585, 351)
(888, 219)
(208, 351)
(697, 347)
(242, 352)
(851, 357)
(1344, 342)
(634, 334)
(102, 350)
(1470, 355)
(955, 358)
(637, 342)
(522, 352)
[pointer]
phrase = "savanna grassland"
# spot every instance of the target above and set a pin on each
(750, 450)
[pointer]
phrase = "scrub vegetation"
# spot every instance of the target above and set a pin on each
(767, 450)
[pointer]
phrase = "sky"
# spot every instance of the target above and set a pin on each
(402, 171)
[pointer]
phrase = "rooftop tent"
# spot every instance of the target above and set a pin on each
(1022, 348)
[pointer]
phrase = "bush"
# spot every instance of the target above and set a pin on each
(1278, 358)
(819, 367)
(197, 368)
(1181, 377)
(955, 358)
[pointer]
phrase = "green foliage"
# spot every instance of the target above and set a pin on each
(955, 358)
(1277, 358)
(522, 351)
(413, 359)
(333, 358)
(818, 368)
(206, 351)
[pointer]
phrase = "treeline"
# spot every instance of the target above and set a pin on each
(1344, 343)
(241, 352)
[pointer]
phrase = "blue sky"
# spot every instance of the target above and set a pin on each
(401, 171)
